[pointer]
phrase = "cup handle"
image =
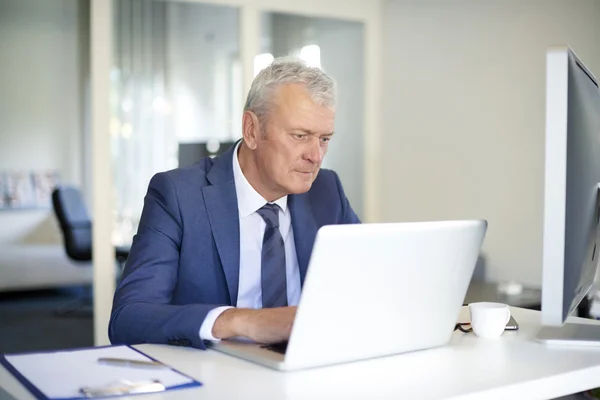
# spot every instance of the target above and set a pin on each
(507, 315)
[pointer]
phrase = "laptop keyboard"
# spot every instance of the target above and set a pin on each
(276, 347)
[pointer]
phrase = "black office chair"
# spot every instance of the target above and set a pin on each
(76, 227)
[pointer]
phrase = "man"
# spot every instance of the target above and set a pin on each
(223, 246)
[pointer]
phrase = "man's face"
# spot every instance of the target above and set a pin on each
(290, 151)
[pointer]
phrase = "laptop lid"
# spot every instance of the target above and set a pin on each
(378, 289)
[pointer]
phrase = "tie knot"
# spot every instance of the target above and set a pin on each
(270, 213)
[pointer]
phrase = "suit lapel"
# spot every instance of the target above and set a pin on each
(220, 200)
(305, 229)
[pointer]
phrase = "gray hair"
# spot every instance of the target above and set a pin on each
(285, 70)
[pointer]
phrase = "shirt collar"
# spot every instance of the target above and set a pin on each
(248, 199)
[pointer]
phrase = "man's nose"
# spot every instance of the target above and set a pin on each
(315, 153)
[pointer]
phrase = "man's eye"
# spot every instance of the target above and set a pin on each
(299, 136)
(325, 139)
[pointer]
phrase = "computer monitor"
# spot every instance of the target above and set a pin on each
(571, 244)
(192, 152)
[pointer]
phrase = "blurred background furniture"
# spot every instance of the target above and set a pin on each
(529, 298)
(523, 296)
(76, 227)
(40, 266)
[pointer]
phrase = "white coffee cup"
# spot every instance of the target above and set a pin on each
(488, 320)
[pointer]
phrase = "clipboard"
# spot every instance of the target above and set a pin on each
(76, 374)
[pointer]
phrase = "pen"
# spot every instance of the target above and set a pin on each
(125, 362)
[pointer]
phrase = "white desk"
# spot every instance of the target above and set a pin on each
(510, 367)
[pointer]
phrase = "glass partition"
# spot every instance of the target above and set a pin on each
(176, 84)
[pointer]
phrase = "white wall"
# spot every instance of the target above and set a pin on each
(463, 115)
(43, 53)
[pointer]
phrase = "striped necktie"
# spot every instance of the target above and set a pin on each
(273, 279)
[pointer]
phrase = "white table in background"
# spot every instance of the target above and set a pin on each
(510, 367)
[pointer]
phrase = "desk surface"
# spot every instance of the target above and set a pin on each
(512, 366)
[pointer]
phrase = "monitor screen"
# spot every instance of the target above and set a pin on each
(191, 153)
(571, 245)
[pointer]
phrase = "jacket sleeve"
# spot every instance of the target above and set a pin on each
(142, 311)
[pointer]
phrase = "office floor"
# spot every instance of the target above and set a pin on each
(29, 322)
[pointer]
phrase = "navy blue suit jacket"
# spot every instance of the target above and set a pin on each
(185, 257)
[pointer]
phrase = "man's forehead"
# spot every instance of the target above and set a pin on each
(293, 106)
(291, 93)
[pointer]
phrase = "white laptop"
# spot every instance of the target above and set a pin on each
(374, 290)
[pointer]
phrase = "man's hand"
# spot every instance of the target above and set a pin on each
(267, 325)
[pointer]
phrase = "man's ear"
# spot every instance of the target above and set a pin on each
(250, 129)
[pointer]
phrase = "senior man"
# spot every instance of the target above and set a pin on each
(223, 246)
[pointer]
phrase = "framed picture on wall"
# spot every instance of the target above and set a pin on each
(19, 189)
(44, 183)
(27, 189)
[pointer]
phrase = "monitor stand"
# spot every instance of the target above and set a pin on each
(570, 335)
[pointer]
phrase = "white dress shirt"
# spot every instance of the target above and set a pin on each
(252, 229)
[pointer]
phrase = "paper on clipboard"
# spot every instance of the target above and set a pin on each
(61, 374)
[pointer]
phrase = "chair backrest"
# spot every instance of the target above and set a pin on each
(74, 222)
